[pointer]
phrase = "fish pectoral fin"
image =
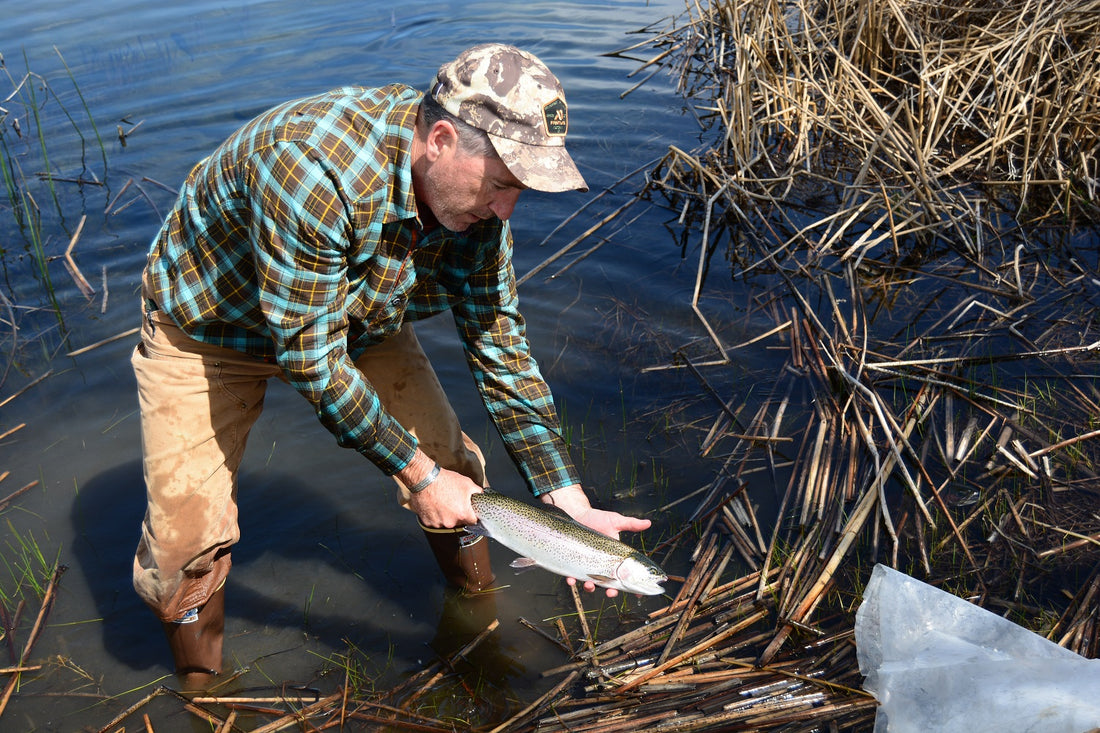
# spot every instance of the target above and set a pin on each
(600, 578)
(522, 563)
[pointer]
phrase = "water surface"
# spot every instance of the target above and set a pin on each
(327, 562)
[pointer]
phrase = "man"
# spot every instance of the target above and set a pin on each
(302, 249)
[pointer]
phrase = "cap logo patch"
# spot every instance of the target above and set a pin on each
(556, 117)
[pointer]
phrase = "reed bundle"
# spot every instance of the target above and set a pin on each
(909, 112)
(907, 191)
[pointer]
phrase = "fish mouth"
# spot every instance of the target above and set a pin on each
(647, 588)
(652, 590)
(642, 578)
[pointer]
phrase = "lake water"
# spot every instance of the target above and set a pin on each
(327, 562)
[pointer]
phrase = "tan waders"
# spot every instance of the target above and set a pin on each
(198, 404)
(410, 390)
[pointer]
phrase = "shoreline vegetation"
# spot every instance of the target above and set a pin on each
(908, 191)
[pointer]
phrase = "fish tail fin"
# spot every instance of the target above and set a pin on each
(473, 531)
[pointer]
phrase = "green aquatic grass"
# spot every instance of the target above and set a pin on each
(35, 110)
(87, 113)
(26, 570)
(9, 175)
(35, 205)
(351, 666)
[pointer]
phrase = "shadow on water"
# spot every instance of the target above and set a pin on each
(106, 503)
(324, 571)
(323, 538)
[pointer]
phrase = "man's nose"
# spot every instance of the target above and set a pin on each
(504, 204)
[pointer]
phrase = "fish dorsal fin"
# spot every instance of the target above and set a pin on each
(556, 510)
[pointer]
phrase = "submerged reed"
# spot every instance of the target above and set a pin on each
(29, 130)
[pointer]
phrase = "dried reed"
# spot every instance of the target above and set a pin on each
(904, 187)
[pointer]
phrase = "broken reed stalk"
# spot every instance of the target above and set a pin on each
(582, 620)
(112, 724)
(15, 494)
(449, 664)
(298, 716)
(534, 707)
(9, 432)
(32, 637)
(70, 263)
(889, 111)
(26, 387)
(110, 339)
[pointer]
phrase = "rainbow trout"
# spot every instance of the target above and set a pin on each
(551, 539)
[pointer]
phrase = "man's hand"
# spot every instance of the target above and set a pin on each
(445, 502)
(574, 502)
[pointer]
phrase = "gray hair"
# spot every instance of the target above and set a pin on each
(471, 140)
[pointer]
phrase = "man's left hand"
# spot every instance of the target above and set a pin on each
(574, 502)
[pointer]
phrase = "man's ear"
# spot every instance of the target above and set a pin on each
(442, 138)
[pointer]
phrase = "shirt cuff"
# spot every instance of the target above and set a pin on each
(394, 449)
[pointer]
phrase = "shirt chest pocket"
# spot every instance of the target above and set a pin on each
(377, 305)
(387, 320)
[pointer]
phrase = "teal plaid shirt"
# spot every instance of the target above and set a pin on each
(298, 242)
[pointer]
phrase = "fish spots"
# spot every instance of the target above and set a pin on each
(549, 538)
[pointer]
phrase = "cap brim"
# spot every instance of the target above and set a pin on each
(540, 167)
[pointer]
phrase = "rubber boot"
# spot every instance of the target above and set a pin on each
(463, 558)
(197, 645)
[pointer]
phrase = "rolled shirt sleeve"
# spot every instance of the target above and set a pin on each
(498, 353)
(300, 238)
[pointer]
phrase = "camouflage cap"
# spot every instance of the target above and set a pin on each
(519, 103)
